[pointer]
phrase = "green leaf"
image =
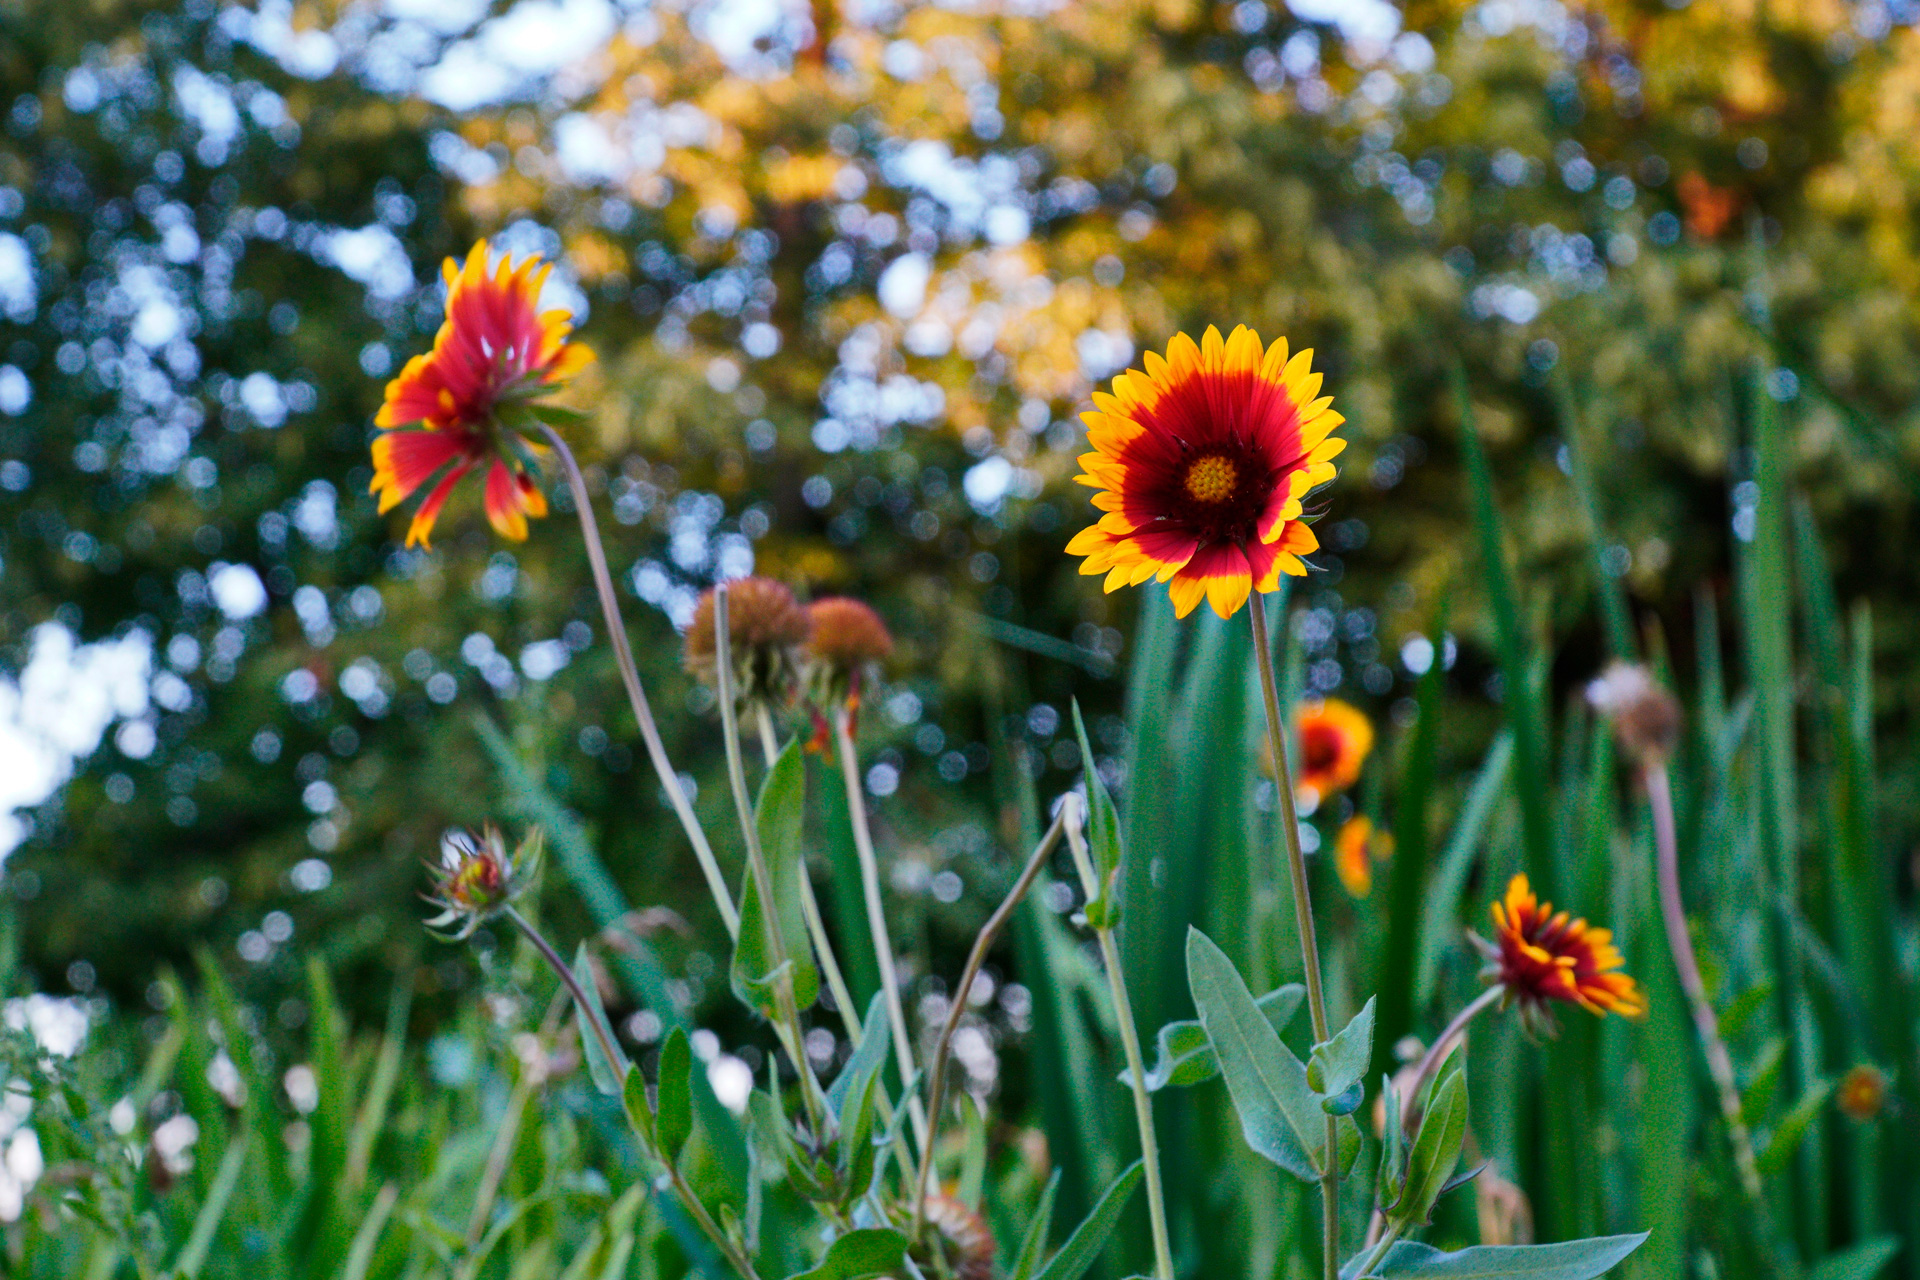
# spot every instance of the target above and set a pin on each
(868, 1251)
(1035, 1241)
(1103, 823)
(1436, 1150)
(193, 1254)
(1863, 1261)
(1185, 1054)
(869, 1058)
(1084, 1245)
(1793, 1126)
(1336, 1067)
(673, 1110)
(607, 1076)
(639, 1107)
(755, 972)
(1574, 1260)
(1280, 1117)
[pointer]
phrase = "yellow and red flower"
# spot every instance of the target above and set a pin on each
(1335, 739)
(1355, 849)
(1541, 957)
(1202, 463)
(461, 405)
(478, 879)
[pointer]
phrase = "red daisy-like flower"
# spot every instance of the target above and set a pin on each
(1202, 462)
(1542, 957)
(459, 406)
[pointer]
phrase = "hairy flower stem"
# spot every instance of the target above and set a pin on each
(1129, 1040)
(1673, 915)
(1443, 1044)
(636, 694)
(877, 915)
(1303, 921)
(982, 943)
(787, 1028)
(604, 1034)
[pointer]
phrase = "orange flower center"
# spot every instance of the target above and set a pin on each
(1320, 748)
(1212, 478)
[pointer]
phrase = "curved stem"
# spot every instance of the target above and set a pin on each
(1673, 915)
(1437, 1052)
(1130, 1042)
(636, 693)
(982, 943)
(1302, 919)
(877, 915)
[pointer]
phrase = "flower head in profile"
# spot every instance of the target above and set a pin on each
(1542, 958)
(476, 879)
(1335, 739)
(463, 405)
(849, 640)
(766, 628)
(1355, 849)
(1202, 463)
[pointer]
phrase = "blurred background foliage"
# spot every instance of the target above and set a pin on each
(852, 269)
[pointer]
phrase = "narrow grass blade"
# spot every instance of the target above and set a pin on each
(1516, 662)
(1407, 885)
(193, 1254)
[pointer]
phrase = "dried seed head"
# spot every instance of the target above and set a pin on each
(965, 1236)
(1646, 718)
(766, 628)
(849, 639)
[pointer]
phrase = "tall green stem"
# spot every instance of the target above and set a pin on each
(787, 1028)
(1302, 919)
(1130, 1041)
(636, 693)
(876, 914)
(1673, 915)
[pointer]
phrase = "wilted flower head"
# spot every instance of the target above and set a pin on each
(964, 1235)
(766, 628)
(1202, 463)
(463, 404)
(1646, 718)
(1335, 739)
(1862, 1093)
(1541, 957)
(848, 640)
(477, 879)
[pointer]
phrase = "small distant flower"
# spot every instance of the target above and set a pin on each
(1358, 846)
(1646, 718)
(1540, 957)
(1202, 463)
(1862, 1093)
(477, 879)
(965, 1236)
(463, 404)
(766, 629)
(848, 641)
(1335, 740)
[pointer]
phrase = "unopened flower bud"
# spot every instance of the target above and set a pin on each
(964, 1236)
(1862, 1093)
(477, 879)
(766, 628)
(1646, 718)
